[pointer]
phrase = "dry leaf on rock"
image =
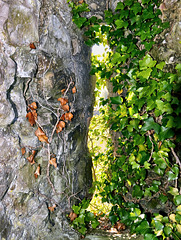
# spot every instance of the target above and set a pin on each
(60, 126)
(63, 117)
(31, 118)
(69, 116)
(53, 162)
(74, 90)
(41, 135)
(37, 172)
(65, 107)
(120, 226)
(23, 150)
(52, 208)
(32, 46)
(33, 106)
(72, 216)
(63, 101)
(31, 157)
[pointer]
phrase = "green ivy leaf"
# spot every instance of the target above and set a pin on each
(120, 6)
(94, 223)
(137, 191)
(151, 124)
(149, 236)
(143, 227)
(145, 73)
(178, 67)
(79, 21)
(121, 24)
(82, 230)
(177, 200)
(116, 100)
(167, 231)
(147, 62)
(166, 133)
(160, 65)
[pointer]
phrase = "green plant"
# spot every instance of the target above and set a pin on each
(144, 112)
(83, 219)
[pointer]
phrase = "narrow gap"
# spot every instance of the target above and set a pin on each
(98, 136)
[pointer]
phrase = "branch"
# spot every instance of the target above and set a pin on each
(176, 157)
(151, 149)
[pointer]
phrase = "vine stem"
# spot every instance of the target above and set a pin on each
(151, 148)
(176, 157)
(48, 171)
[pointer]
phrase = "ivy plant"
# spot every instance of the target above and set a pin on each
(141, 180)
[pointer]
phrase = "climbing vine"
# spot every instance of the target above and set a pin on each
(143, 115)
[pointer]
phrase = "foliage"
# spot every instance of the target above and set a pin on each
(144, 111)
(83, 218)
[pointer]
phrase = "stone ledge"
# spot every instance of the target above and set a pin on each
(104, 235)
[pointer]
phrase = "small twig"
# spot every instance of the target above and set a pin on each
(71, 82)
(48, 170)
(176, 157)
(26, 86)
(151, 148)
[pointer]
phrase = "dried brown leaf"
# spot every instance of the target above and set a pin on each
(53, 162)
(33, 106)
(23, 150)
(31, 157)
(37, 172)
(32, 46)
(41, 135)
(52, 208)
(69, 116)
(63, 90)
(65, 107)
(72, 216)
(74, 90)
(31, 118)
(63, 101)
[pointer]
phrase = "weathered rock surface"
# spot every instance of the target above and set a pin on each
(38, 75)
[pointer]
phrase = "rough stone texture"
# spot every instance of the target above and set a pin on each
(103, 235)
(28, 75)
(39, 75)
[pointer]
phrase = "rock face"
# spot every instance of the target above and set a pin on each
(56, 59)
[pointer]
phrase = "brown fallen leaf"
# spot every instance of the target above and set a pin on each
(23, 150)
(63, 101)
(69, 116)
(31, 118)
(60, 126)
(63, 90)
(58, 129)
(65, 107)
(32, 106)
(120, 226)
(72, 216)
(74, 90)
(62, 117)
(31, 157)
(52, 208)
(32, 46)
(37, 172)
(53, 162)
(81, 1)
(41, 135)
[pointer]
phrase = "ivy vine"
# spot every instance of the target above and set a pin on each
(142, 179)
